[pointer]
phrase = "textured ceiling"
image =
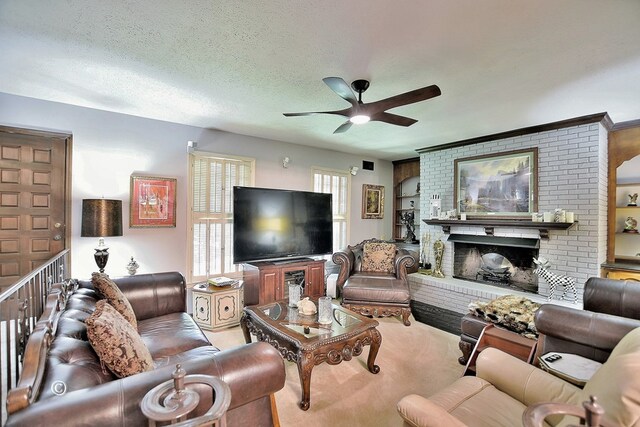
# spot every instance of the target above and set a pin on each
(238, 65)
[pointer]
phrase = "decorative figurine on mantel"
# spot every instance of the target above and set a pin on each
(630, 225)
(633, 198)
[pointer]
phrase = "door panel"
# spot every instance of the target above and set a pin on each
(33, 187)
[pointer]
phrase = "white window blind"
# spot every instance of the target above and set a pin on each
(338, 184)
(211, 190)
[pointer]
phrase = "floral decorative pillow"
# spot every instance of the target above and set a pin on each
(116, 342)
(379, 257)
(108, 290)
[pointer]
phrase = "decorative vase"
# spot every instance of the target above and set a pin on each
(132, 266)
(438, 253)
(295, 292)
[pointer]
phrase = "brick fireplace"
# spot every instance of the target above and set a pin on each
(572, 175)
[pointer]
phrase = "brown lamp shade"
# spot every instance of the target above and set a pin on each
(101, 218)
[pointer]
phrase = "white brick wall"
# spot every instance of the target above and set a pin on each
(455, 294)
(572, 174)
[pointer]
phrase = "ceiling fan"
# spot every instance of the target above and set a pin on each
(360, 113)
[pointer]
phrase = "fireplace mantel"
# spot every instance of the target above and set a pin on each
(490, 224)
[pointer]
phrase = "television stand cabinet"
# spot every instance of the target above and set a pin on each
(266, 281)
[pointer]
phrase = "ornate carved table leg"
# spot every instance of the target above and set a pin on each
(466, 349)
(245, 328)
(405, 316)
(305, 364)
(376, 341)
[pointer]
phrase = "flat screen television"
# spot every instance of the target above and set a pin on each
(273, 224)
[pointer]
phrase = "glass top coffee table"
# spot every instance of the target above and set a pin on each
(301, 339)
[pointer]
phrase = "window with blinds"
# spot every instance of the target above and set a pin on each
(211, 189)
(338, 184)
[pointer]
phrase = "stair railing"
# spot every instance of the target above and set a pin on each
(21, 305)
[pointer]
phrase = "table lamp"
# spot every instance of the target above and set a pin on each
(101, 218)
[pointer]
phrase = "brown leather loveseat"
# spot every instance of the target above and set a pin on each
(611, 309)
(373, 279)
(63, 382)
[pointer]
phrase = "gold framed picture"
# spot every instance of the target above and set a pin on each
(502, 184)
(153, 202)
(372, 201)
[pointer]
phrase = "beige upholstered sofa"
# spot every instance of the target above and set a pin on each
(505, 386)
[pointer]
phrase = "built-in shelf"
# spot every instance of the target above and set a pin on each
(490, 224)
(406, 190)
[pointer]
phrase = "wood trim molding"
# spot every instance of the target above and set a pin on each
(623, 145)
(35, 132)
(490, 224)
(592, 118)
(625, 125)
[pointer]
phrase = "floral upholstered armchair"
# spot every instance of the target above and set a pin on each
(373, 279)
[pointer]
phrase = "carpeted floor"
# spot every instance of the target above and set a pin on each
(415, 359)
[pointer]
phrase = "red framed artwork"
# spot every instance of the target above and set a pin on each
(153, 202)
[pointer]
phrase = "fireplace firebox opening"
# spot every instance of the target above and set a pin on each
(494, 264)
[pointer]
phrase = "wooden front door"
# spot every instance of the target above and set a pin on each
(33, 200)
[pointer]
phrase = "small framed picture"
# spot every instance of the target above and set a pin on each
(153, 202)
(372, 201)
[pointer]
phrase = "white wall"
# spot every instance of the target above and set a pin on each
(109, 147)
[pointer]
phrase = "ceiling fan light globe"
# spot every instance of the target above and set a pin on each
(359, 119)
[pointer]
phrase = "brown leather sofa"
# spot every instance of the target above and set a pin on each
(505, 386)
(374, 293)
(610, 309)
(63, 382)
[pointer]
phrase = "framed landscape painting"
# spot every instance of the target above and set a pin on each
(503, 184)
(153, 202)
(372, 201)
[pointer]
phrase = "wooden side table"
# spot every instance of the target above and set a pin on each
(502, 339)
(217, 307)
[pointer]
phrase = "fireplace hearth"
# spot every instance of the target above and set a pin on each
(498, 261)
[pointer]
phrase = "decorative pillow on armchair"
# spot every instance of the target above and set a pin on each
(379, 257)
(116, 342)
(108, 290)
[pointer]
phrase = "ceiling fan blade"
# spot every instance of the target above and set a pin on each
(301, 114)
(406, 98)
(343, 127)
(341, 87)
(345, 112)
(393, 119)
